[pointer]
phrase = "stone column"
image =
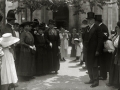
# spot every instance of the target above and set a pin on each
(71, 17)
(110, 18)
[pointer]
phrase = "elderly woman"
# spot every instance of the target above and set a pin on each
(26, 67)
(42, 66)
(53, 40)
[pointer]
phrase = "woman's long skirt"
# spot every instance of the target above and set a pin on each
(41, 61)
(26, 65)
(73, 51)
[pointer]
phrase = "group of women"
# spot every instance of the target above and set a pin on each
(39, 50)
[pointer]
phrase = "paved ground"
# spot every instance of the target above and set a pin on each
(68, 78)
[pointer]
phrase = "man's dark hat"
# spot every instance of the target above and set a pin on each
(98, 18)
(51, 22)
(1, 17)
(90, 15)
(25, 24)
(11, 15)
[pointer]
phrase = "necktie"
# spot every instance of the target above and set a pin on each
(88, 29)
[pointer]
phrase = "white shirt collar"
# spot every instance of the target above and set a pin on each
(100, 24)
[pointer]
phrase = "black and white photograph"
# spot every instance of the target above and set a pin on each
(59, 44)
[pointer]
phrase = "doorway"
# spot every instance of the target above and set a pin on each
(62, 17)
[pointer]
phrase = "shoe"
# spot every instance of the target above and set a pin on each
(81, 63)
(108, 84)
(90, 82)
(101, 78)
(56, 72)
(86, 72)
(94, 84)
(84, 67)
(64, 59)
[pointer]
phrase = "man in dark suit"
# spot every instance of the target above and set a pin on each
(104, 55)
(93, 43)
(10, 21)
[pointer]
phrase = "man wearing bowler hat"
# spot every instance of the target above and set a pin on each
(10, 22)
(104, 55)
(93, 43)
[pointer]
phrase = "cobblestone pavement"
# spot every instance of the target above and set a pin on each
(69, 77)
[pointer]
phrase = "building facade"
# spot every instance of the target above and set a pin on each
(64, 17)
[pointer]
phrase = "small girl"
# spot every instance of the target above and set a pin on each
(8, 70)
(79, 48)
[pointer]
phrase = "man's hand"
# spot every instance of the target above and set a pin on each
(97, 53)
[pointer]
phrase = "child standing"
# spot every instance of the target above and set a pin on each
(79, 48)
(8, 70)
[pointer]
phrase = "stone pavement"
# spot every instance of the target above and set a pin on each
(69, 77)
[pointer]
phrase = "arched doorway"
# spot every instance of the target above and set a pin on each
(62, 17)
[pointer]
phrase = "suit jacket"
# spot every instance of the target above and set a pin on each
(105, 34)
(94, 44)
(104, 29)
(117, 57)
(8, 29)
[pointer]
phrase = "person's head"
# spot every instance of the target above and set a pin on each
(26, 26)
(74, 30)
(118, 28)
(51, 23)
(62, 30)
(16, 26)
(98, 19)
(90, 18)
(41, 29)
(11, 17)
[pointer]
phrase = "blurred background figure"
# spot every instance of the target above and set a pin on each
(64, 43)
(73, 50)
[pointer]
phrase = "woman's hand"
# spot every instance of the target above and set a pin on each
(50, 44)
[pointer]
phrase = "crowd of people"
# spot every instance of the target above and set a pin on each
(33, 49)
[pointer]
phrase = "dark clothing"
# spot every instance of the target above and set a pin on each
(92, 44)
(8, 29)
(114, 78)
(42, 66)
(53, 52)
(73, 50)
(104, 56)
(26, 65)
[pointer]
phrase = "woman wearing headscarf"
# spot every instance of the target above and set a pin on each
(26, 67)
(53, 40)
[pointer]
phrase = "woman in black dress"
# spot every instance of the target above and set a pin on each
(41, 51)
(26, 65)
(53, 40)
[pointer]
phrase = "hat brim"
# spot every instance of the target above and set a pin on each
(9, 43)
(89, 18)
